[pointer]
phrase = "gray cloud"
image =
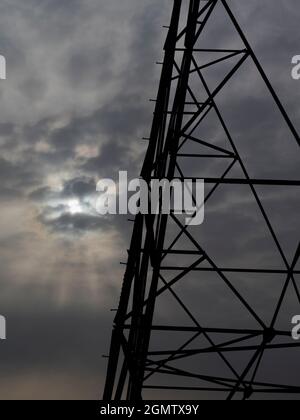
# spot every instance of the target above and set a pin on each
(73, 108)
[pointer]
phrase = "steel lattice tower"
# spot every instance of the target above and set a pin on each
(199, 357)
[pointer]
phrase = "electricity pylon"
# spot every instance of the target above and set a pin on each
(211, 353)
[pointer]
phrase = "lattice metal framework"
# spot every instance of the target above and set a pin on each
(180, 109)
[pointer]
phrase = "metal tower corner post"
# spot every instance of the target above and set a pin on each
(133, 270)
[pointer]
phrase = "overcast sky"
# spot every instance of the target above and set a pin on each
(72, 110)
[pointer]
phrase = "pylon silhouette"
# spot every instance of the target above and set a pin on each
(223, 345)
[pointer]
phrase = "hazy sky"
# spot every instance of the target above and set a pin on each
(73, 109)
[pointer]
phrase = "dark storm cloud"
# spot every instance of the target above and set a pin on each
(80, 74)
(6, 129)
(111, 158)
(59, 217)
(14, 175)
(80, 187)
(114, 121)
(41, 193)
(71, 222)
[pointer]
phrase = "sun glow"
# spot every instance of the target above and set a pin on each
(74, 206)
